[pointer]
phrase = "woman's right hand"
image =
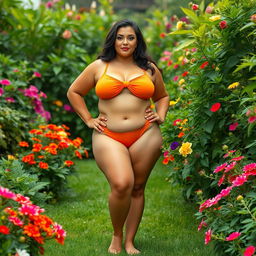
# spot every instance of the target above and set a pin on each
(97, 123)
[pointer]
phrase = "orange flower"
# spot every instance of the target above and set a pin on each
(31, 230)
(165, 161)
(162, 35)
(43, 222)
(77, 142)
(181, 134)
(171, 158)
(68, 163)
(36, 139)
(63, 145)
(41, 157)
(36, 131)
(51, 148)
(30, 159)
(23, 144)
(65, 127)
(78, 154)
(86, 153)
(43, 165)
(37, 147)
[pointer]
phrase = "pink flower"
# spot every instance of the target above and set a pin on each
(5, 82)
(176, 66)
(22, 199)
(237, 158)
(220, 168)
(165, 58)
(37, 74)
(43, 95)
(225, 192)
(15, 70)
(68, 108)
(202, 224)
(233, 126)
(252, 119)
(221, 180)
(239, 181)
(49, 4)
(1, 91)
(16, 221)
(249, 251)
(5, 192)
(167, 53)
(249, 167)
(209, 9)
(67, 34)
(31, 92)
(230, 167)
(166, 153)
(223, 24)
(233, 236)
(30, 209)
(195, 7)
(208, 236)
(10, 99)
(215, 107)
(176, 78)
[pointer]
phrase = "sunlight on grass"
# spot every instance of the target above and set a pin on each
(168, 226)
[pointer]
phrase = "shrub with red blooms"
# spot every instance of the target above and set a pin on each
(50, 154)
(230, 215)
(23, 227)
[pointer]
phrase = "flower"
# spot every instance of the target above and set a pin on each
(195, 7)
(220, 168)
(233, 236)
(215, 107)
(68, 163)
(233, 126)
(78, 154)
(185, 149)
(233, 85)
(208, 236)
(239, 181)
(67, 34)
(177, 122)
(16, 221)
(37, 74)
(1, 91)
(230, 167)
(162, 35)
(23, 144)
(249, 167)
(181, 134)
(202, 224)
(21, 253)
(5, 82)
(68, 108)
(182, 81)
(4, 230)
(209, 9)
(249, 251)
(206, 63)
(253, 18)
(179, 25)
(49, 4)
(43, 165)
(223, 24)
(174, 145)
(185, 73)
(10, 99)
(5, 192)
(251, 119)
(221, 180)
(175, 78)
(214, 18)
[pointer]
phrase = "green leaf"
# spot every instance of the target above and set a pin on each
(185, 44)
(242, 212)
(191, 14)
(56, 70)
(181, 32)
(249, 89)
(208, 127)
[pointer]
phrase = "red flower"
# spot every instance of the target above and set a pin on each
(78, 154)
(23, 144)
(4, 230)
(206, 63)
(215, 107)
(249, 251)
(185, 73)
(194, 7)
(223, 24)
(181, 134)
(43, 165)
(233, 236)
(232, 127)
(68, 163)
(176, 122)
(162, 35)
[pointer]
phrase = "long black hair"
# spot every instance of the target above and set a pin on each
(140, 56)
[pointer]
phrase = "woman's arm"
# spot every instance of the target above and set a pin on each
(76, 92)
(161, 99)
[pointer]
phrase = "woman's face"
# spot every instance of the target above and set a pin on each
(126, 41)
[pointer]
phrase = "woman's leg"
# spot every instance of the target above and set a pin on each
(113, 159)
(144, 154)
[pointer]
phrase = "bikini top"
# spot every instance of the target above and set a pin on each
(108, 87)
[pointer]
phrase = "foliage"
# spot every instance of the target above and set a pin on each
(23, 229)
(14, 177)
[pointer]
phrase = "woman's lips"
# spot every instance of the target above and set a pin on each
(125, 48)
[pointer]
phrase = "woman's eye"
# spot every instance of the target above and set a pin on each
(119, 38)
(131, 38)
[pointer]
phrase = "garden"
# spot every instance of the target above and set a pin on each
(207, 53)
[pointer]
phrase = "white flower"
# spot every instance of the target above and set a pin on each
(93, 5)
(22, 252)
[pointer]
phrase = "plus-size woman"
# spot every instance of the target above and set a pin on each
(126, 138)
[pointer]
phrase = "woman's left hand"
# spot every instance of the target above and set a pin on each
(152, 116)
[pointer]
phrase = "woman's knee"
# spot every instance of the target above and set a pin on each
(138, 190)
(122, 189)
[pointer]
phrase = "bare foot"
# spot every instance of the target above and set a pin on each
(116, 245)
(130, 249)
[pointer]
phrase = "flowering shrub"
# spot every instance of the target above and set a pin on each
(49, 153)
(23, 227)
(229, 217)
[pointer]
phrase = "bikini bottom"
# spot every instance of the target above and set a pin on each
(127, 138)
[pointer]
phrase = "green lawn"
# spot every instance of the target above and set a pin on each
(168, 226)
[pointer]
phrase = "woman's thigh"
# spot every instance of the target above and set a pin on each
(113, 159)
(145, 152)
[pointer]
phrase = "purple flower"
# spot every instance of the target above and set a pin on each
(68, 108)
(174, 145)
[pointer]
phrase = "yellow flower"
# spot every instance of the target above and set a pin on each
(234, 85)
(184, 121)
(58, 103)
(173, 102)
(179, 25)
(62, 134)
(215, 17)
(182, 81)
(181, 58)
(185, 149)
(11, 157)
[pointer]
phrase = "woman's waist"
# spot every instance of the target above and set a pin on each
(124, 122)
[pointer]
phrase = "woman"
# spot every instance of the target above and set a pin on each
(126, 139)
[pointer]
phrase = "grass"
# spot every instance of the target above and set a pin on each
(168, 226)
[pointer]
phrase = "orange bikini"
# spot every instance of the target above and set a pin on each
(141, 86)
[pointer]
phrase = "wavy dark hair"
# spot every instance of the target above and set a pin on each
(140, 56)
